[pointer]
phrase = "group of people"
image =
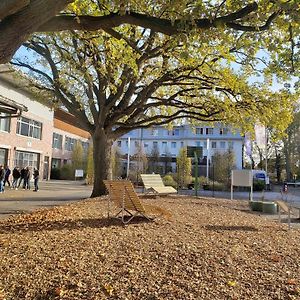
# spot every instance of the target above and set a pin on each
(18, 177)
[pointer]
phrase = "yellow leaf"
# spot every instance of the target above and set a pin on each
(108, 289)
(231, 283)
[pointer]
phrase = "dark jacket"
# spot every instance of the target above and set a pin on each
(16, 173)
(2, 174)
(27, 174)
(7, 172)
(36, 174)
(22, 173)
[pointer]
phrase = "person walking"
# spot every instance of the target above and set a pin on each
(27, 179)
(2, 177)
(7, 174)
(16, 175)
(22, 176)
(36, 175)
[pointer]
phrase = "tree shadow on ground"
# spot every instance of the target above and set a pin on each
(229, 228)
(78, 224)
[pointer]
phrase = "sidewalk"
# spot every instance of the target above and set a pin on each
(51, 193)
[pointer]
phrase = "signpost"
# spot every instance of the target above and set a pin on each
(78, 173)
(197, 153)
(242, 178)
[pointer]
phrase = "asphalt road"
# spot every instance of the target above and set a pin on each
(51, 193)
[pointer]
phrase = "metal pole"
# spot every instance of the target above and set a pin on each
(128, 158)
(213, 177)
(207, 160)
(196, 173)
(266, 150)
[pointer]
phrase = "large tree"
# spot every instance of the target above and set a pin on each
(118, 79)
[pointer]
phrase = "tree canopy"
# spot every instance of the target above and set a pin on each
(20, 18)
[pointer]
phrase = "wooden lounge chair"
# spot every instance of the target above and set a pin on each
(285, 208)
(124, 197)
(153, 183)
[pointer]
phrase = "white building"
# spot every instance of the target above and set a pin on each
(169, 142)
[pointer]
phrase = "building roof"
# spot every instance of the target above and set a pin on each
(22, 82)
(67, 122)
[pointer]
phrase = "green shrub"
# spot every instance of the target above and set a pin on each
(169, 181)
(55, 173)
(201, 180)
(67, 172)
(216, 186)
(259, 185)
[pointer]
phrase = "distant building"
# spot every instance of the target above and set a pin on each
(169, 142)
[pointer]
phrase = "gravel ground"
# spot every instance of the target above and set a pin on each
(209, 249)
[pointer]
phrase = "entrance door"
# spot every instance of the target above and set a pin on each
(46, 168)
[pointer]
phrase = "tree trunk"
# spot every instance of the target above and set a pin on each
(102, 161)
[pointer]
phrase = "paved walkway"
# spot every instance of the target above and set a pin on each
(51, 193)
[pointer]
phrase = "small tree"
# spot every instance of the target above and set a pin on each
(141, 160)
(154, 159)
(90, 166)
(223, 163)
(116, 162)
(184, 168)
(168, 162)
(77, 156)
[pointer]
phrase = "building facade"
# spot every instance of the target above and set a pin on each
(27, 140)
(66, 132)
(40, 137)
(169, 142)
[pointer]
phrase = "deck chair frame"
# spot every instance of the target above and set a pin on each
(126, 200)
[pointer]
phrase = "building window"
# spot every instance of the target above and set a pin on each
(27, 159)
(154, 132)
(198, 143)
(181, 144)
(57, 141)
(164, 147)
(4, 123)
(136, 144)
(56, 163)
(230, 145)
(146, 145)
(174, 132)
(85, 146)
(213, 145)
(205, 144)
(173, 145)
(223, 131)
(155, 144)
(28, 127)
(222, 145)
(209, 131)
(119, 144)
(69, 143)
(199, 131)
